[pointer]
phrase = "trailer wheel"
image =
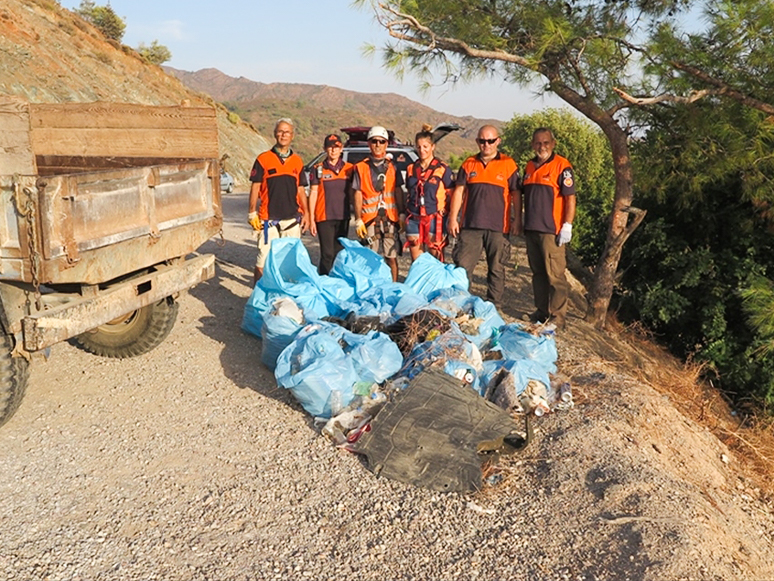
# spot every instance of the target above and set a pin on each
(14, 372)
(133, 334)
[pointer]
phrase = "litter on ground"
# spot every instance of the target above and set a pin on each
(421, 377)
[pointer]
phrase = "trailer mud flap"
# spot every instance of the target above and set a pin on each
(78, 316)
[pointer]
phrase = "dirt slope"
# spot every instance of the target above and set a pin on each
(49, 55)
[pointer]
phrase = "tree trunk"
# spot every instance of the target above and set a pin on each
(619, 227)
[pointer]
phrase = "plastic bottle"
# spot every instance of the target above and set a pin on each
(335, 402)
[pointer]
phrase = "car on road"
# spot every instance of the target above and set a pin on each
(402, 154)
(226, 182)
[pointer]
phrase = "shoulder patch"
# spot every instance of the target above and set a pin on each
(567, 178)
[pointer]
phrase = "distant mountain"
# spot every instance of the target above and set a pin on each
(319, 109)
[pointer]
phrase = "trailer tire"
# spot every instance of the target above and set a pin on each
(134, 334)
(14, 372)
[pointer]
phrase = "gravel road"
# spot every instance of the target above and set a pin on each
(188, 463)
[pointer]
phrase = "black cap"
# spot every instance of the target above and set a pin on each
(331, 140)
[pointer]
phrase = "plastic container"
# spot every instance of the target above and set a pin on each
(541, 408)
(565, 392)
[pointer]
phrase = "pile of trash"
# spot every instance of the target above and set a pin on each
(349, 343)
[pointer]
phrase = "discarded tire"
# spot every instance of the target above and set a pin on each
(13, 380)
(133, 334)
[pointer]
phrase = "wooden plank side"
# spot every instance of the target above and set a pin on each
(119, 116)
(124, 142)
(15, 147)
(65, 164)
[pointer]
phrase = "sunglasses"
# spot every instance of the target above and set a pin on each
(378, 141)
(481, 141)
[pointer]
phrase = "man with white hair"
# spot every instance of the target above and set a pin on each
(278, 206)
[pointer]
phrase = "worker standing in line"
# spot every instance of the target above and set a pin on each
(379, 200)
(549, 210)
(488, 196)
(428, 182)
(278, 206)
(329, 201)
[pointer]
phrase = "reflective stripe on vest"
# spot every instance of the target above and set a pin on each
(373, 200)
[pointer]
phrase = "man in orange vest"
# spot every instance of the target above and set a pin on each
(549, 209)
(278, 206)
(379, 199)
(489, 195)
(329, 184)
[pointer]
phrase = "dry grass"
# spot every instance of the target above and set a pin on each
(749, 436)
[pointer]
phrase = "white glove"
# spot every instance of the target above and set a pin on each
(565, 234)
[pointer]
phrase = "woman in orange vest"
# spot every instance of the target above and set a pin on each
(329, 201)
(428, 181)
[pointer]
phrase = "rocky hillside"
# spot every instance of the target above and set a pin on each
(50, 55)
(320, 109)
(648, 477)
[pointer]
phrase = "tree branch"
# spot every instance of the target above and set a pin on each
(427, 38)
(639, 216)
(724, 89)
(664, 98)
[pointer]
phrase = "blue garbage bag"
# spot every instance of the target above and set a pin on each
(337, 294)
(279, 329)
(456, 302)
(428, 274)
(257, 305)
(449, 346)
(314, 366)
(325, 357)
(360, 267)
(375, 356)
(288, 273)
(515, 343)
(287, 265)
(379, 301)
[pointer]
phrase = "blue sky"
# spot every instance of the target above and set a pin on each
(299, 41)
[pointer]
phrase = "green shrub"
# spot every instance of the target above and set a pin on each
(155, 54)
(691, 270)
(103, 18)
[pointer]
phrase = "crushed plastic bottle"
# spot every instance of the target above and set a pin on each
(335, 402)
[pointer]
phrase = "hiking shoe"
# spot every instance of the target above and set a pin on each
(538, 317)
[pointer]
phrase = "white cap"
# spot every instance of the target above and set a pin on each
(378, 131)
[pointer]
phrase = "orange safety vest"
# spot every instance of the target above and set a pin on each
(373, 200)
(278, 193)
(547, 181)
(486, 200)
(335, 181)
